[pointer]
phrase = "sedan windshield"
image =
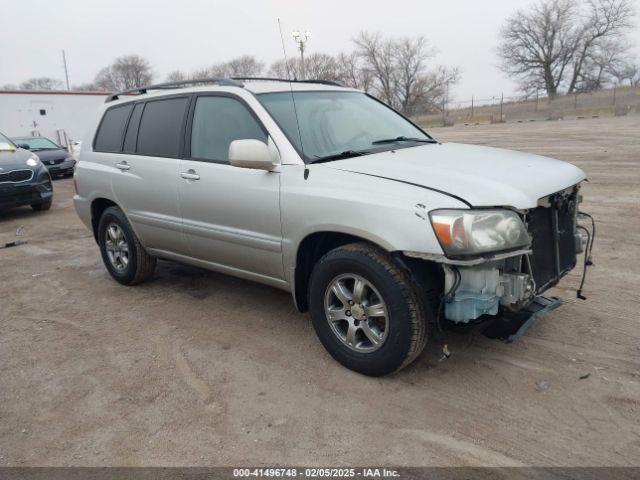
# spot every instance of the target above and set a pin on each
(337, 124)
(38, 143)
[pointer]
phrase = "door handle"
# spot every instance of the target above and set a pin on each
(123, 166)
(190, 175)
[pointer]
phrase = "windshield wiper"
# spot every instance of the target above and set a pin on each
(404, 139)
(339, 156)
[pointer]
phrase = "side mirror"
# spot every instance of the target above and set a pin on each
(251, 153)
(23, 145)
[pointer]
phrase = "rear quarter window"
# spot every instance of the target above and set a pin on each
(131, 137)
(111, 130)
(161, 127)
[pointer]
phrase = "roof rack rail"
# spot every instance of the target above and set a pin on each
(275, 79)
(230, 82)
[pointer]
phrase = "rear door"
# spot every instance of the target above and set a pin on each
(231, 215)
(146, 178)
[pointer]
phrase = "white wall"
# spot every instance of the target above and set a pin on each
(20, 113)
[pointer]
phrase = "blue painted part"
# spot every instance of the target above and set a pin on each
(467, 306)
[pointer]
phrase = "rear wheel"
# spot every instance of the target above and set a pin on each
(125, 258)
(365, 310)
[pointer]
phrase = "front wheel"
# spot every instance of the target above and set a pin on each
(42, 206)
(365, 310)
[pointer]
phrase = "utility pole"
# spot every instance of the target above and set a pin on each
(66, 72)
(301, 39)
(445, 99)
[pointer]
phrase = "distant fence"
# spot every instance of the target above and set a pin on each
(499, 109)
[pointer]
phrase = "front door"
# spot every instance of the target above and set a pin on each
(231, 215)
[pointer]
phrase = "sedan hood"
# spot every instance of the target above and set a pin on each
(481, 176)
(14, 160)
(57, 154)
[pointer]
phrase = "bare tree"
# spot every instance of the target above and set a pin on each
(597, 66)
(378, 55)
(537, 46)
(399, 71)
(41, 83)
(244, 66)
(176, 76)
(602, 27)
(281, 69)
(566, 43)
(320, 66)
(127, 72)
(626, 70)
(352, 73)
(86, 87)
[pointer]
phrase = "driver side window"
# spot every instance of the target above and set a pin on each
(217, 121)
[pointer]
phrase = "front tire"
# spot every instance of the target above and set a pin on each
(41, 207)
(122, 253)
(365, 310)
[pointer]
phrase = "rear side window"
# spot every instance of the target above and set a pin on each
(132, 129)
(109, 137)
(161, 126)
(217, 121)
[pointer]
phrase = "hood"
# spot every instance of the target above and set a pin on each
(481, 176)
(14, 160)
(56, 154)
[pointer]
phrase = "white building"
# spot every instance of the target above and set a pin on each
(58, 115)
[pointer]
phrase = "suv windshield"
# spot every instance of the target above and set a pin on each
(5, 143)
(334, 124)
(40, 143)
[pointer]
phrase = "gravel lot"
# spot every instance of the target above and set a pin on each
(196, 368)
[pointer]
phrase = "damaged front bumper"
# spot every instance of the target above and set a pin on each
(512, 325)
(507, 283)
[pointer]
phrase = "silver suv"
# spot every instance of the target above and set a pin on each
(385, 235)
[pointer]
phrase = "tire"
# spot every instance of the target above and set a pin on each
(139, 265)
(404, 335)
(41, 207)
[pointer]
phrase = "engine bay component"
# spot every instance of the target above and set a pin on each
(482, 289)
(517, 290)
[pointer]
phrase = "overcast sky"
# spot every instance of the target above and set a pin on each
(188, 34)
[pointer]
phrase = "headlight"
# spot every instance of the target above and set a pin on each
(33, 161)
(472, 232)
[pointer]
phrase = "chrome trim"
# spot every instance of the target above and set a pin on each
(18, 170)
(439, 258)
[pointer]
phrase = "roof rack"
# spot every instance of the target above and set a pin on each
(229, 82)
(275, 79)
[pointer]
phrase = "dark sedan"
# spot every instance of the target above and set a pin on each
(58, 160)
(24, 180)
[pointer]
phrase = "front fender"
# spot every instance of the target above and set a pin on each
(391, 214)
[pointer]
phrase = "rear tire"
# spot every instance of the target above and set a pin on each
(386, 304)
(41, 207)
(122, 253)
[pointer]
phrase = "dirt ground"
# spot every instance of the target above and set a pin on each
(196, 368)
